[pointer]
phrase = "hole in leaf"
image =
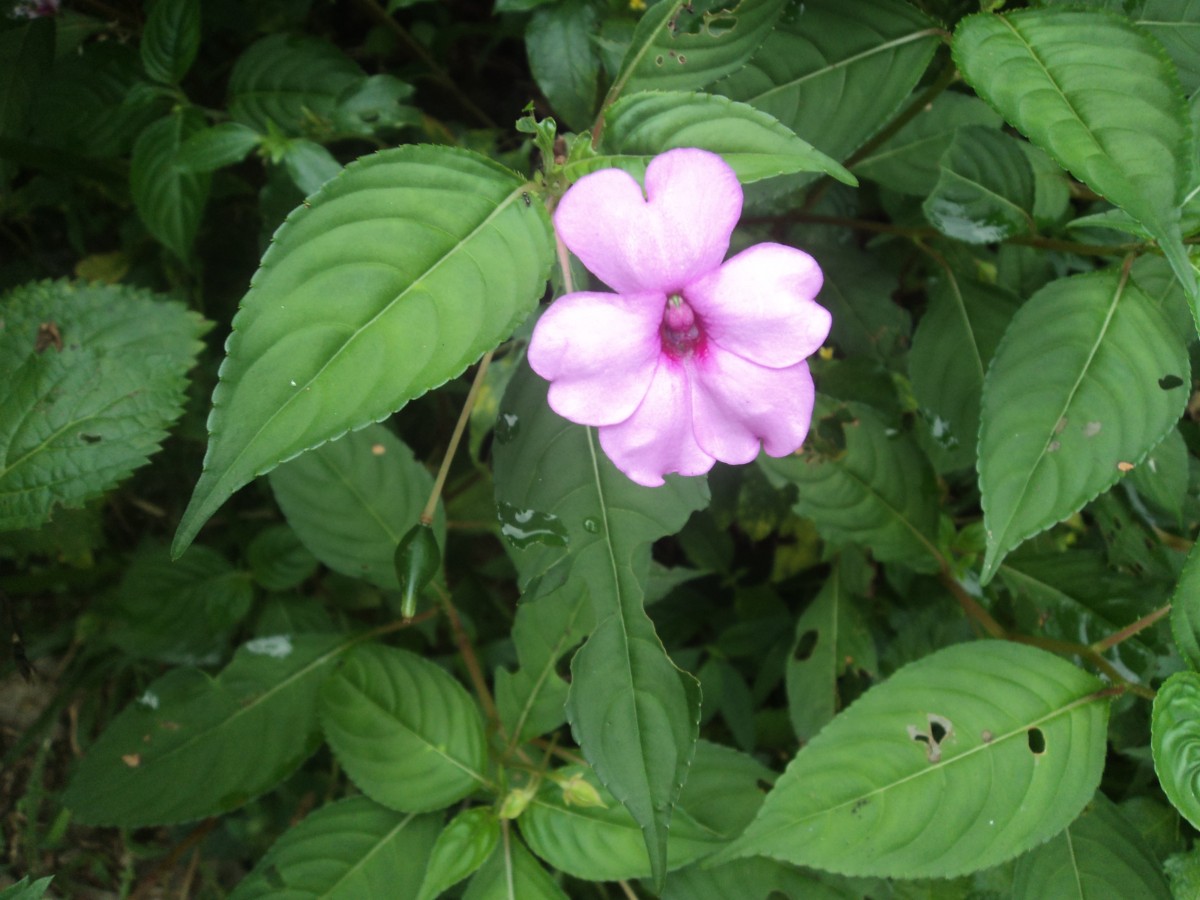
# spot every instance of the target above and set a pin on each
(1168, 382)
(806, 645)
(936, 731)
(1037, 741)
(90, 438)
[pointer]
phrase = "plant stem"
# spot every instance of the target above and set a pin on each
(459, 427)
(1130, 630)
(971, 606)
(470, 660)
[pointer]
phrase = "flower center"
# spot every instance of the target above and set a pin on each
(680, 331)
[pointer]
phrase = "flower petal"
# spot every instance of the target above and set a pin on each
(658, 438)
(660, 241)
(737, 403)
(598, 351)
(759, 305)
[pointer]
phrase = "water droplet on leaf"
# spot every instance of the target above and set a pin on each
(507, 427)
(523, 527)
(591, 525)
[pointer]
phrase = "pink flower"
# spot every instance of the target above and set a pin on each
(692, 360)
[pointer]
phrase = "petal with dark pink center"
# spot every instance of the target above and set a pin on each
(658, 241)
(760, 305)
(598, 351)
(737, 403)
(657, 439)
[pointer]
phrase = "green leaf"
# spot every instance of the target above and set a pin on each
(908, 161)
(179, 752)
(681, 45)
(877, 492)
(169, 199)
(512, 874)
(309, 165)
(26, 55)
(1185, 611)
(754, 144)
(1162, 480)
(985, 188)
(951, 351)
(217, 147)
(464, 845)
(958, 762)
(278, 560)
(292, 80)
(558, 41)
(27, 890)
(1098, 856)
(858, 293)
(549, 623)
(350, 501)
(374, 104)
(350, 850)
(436, 260)
(725, 789)
(632, 711)
(178, 612)
(1073, 397)
(1062, 78)
(407, 733)
(603, 843)
(171, 39)
(1176, 23)
(836, 70)
(747, 879)
(1174, 739)
(78, 419)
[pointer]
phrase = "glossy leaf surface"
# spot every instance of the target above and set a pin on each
(1072, 399)
(436, 260)
(406, 732)
(984, 192)
(354, 849)
(958, 762)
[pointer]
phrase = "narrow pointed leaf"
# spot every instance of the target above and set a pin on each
(1062, 77)
(681, 45)
(351, 501)
(960, 761)
(1175, 742)
(213, 148)
(179, 752)
(406, 732)
(632, 711)
(836, 70)
(464, 845)
(1098, 856)
(91, 378)
(354, 849)
(754, 144)
(433, 259)
(878, 491)
(1088, 379)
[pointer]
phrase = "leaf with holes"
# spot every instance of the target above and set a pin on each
(755, 145)
(91, 378)
(1175, 742)
(350, 501)
(985, 188)
(1098, 856)
(1073, 399)
(1063, 78)
(951, 351)
(353, 849)
(959, 761)
(836, 70)
(405, 731)
(681, 45)
(179, 751)
(1185, 610)
(435, 260)
(563, 503)
(602, 842)
(865, 486)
